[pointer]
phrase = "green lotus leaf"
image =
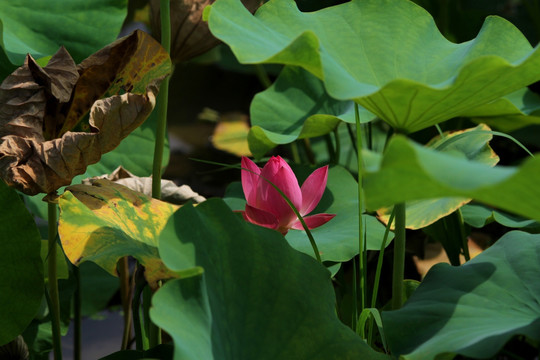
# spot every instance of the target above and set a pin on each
(511, 112)
(337, 240)
(40, 28)
(473, 309)
(471, 144)
(21, 267)
(387, 55)
(296, 106)
(425, 173)
(258, 297)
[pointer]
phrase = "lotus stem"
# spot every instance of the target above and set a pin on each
(399, 257)
(380, 259)
(162, 102)
(309, 152)
(125, 294)
(464, 237)
(165, 13)
(369, 136)
(338, 144)
(77, 321)
(352, 137)
(295, 154)
(330, 148)
(54, 302)
(361, 244)
(262, 75)
(141, 341)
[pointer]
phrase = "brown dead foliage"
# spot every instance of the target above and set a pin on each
(45, 140)
(190, 35)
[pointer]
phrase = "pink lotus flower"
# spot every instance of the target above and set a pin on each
(266, 207)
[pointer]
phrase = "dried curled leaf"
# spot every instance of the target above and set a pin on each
(170, 192)
(45, 139)
(190, 35)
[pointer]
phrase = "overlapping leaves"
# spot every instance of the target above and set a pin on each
(388, 56)
(470, 144)
(258, 298)
(296, 106)
(427, 174)
(475, 308)
(45, 139)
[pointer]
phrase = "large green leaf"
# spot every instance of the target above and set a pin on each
(40, 28)
(296, 106)
(475, 308)
(387, 55)
(21, 284)
(471, 144)
(107, 221)
(409, 171)
(258, 297)
(337, 240)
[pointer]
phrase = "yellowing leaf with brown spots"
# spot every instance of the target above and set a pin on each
(107, 221)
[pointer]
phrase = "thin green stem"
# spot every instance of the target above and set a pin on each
(141, 341)
(161, 128)
(54, 303)
(125, 295)
(77, 313)
(152, 330)
(399, 257)
(464, 237)
(309, 152)
(338, 144)
(353, 139)
(361, 245)
(380, 259)
(262, 75)
(354, 310)
(369, 136)
(439, 130)
(162, 102)
(301, 218)
(330, 148)
(295, 153)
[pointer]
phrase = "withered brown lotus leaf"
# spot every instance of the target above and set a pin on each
(190, 35)
(35, 167)
(129, 64)
(25, 94)
(39, 108)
